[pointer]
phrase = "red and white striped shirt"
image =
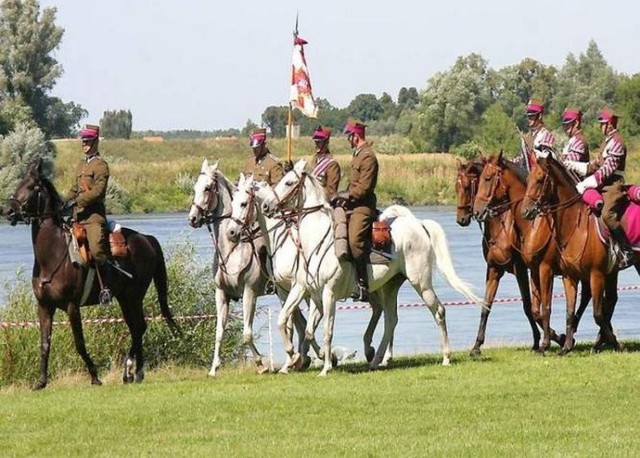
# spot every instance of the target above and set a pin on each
(576, 149)
(614, 155)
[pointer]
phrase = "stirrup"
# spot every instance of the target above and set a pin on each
(362, 295)
(625, 259)
(105, 296)
(269, 287)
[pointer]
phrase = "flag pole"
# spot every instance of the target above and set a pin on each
(290, 116)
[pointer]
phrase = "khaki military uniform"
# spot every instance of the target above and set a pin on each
(89, 191)
(363, 178)
(266, 168)
(327, 171)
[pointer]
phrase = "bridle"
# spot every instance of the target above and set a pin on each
(33, 207)
(542, 203)
(210, 203)
(470, 190)
(496, 206)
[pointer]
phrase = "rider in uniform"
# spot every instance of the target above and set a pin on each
(360, 198)
(577, 148)
(606, 174)
(87, 198)
(326, 169)
(263, 165)
(538, 141)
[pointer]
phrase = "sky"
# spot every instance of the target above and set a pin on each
(207, 64)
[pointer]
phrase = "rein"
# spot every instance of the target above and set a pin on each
(496, 207)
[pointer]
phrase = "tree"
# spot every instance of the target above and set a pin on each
(116, 124)
(497, 131)
(513, 86)
(408, 98)
(28, 71)
(587, 82)
(365, 107)
(389, 107)
(453, 102)
(627, 102)
(62, 119)
(276, 119)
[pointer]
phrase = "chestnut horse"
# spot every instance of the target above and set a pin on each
(551, 193)
(58, 284)
(499, 248)
(502, 185)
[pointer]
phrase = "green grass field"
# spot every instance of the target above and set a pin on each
(508, 403)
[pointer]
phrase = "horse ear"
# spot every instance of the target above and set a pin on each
(458, 163)
(205, 166)
(242, 179)
(500, 155)
(215, 166)
(300, 165)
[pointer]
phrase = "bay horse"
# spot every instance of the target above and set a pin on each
(501, 186)
(419, 247)
(551, 193)
(240, 267)
(58, 284)
(500, 242)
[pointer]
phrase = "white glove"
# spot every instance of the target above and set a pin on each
(587, 183)
(579, 167)
(542, 154)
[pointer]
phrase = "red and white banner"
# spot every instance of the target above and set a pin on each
(300, 96)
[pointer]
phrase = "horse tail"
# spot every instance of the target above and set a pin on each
(444, 262)
(161, 284)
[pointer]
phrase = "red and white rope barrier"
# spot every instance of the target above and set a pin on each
(354, 306)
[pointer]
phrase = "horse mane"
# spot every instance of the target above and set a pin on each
(519, 172)
(232, 188)
(561, 170)
(56, 200)
(317, 187)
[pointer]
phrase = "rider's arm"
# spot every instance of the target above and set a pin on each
(616, 152)
(365, 183)
(98, 188)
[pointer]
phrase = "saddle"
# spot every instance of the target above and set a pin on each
(117, 245)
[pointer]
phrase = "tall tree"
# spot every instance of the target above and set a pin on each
(365, 107)
(116, 124)
(587, 82)
(276, 119)
(28, 70)
(627, 103)
(453, 102)
(408, 98)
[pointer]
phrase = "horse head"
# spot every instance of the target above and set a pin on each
(288, 192)
(206, 195)
(491, 190)
(34, 197)
(466, 188)
(548, 183)
(243, 214)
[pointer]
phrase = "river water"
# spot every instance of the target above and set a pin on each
(416, 331)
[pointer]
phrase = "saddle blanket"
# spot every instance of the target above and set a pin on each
(630, 223)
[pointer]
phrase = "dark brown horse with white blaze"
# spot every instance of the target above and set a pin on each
(500, 243)
(58, 284)
(583, 257)
(502, 184)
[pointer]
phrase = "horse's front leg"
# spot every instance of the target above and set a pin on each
(293, 300)
(78, 337)
(376, 312)
(522, 277)
(222, 314)
(45, 316)
(315, 315)
(570, 290)
(133, 314)
(546, 291)
(492, 281)
(329, 309)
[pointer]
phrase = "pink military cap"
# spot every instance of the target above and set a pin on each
(354, 127)
(257, 137)
(607, 115)
(90, 132)
(534, 107)
(321, 133)
(570, 115)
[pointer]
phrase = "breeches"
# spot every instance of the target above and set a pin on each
(615, 199)
(96, 236)
(360, 224)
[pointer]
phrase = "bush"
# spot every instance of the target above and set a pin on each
(468, 150)
(191, 293)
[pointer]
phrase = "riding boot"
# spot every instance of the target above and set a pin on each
(105, 274)
(363, 281)
(625, 251)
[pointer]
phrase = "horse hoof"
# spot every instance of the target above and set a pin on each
(475, 352)
(127, 378)
(563, 352)
(96, 382)
(306, 363)
(446, 362)
(139, 377)
(369, 353)
(621, 348)
(334, 360)
(39, 386)
(262, 369)
(562, 339)
(212, 373)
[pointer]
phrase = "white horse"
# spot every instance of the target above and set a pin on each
(418, 245)
(281, 241)
(239, 267)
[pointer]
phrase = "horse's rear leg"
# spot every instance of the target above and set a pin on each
(439, 314)
(248, 313)
(522, 277)
(78, 337)
(492, 277)
(376, 312)
(284, 318)
(329, 312)
(585, 298)
(601, 312)
(45, 316)
(134, 317)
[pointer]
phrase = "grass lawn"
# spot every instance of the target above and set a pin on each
(507, 403)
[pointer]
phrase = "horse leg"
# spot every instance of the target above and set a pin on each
(222, 314)
(301, 325)
(585, 298)
(492, 281)
(329, 310)
(522, 277)
(293, 299)
(386, 298)
(546, 291)
(45, 316)
(315, 315)
(610, 301)
(376, 312)
(134, 317)
(439, 315)
(248, 313)
(570, 290)
(535, 301)
(600, 313)
(78, 338)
